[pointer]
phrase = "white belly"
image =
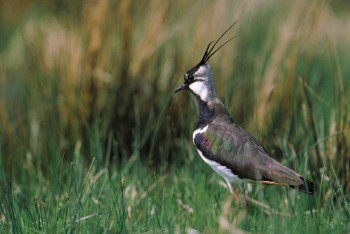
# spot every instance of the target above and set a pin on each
(221, 170)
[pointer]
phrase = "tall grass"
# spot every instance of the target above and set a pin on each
(86, 98)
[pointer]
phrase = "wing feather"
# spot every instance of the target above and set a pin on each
(236, 149)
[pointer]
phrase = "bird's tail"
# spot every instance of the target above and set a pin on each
(307, 187)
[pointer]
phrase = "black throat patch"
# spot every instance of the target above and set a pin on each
(206, 114)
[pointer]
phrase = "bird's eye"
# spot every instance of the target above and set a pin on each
(189, 78)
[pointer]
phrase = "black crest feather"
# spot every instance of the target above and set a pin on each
(211, 50)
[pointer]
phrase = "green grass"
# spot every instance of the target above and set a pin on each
(129, 198)
(92, 139)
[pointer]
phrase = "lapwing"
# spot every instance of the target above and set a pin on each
(225, 146)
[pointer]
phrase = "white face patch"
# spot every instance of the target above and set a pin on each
(202, 85)
(200, 89)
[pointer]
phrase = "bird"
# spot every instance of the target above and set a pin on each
(226, 147)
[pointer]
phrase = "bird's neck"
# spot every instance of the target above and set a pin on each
(209, 110)
(206, 114)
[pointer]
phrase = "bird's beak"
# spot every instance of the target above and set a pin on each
(181, 87)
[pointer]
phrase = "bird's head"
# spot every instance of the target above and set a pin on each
(199, 79)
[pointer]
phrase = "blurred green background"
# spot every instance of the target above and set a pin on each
(87, 81)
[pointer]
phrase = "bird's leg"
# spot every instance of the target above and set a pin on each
(233, 192)
(245, 200)
(238, 216)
